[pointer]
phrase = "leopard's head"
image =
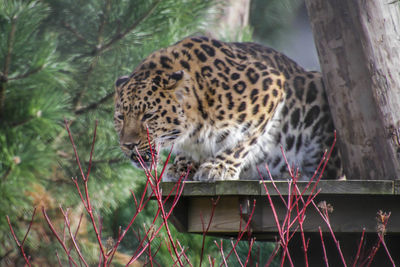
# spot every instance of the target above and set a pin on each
(149, 112)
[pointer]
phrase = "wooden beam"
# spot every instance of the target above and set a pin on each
(351, 214)
(355, 205)
(256, 188)
(359, 50)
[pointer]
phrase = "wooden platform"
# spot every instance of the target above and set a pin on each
(355, 204)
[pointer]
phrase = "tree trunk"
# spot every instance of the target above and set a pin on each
(358, 43)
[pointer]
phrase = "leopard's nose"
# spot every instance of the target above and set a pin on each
(130, 146)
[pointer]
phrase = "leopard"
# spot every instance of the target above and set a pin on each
(228, 111)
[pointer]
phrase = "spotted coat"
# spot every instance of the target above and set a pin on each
(227, 109)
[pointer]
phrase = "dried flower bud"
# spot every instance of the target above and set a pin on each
(382, 219)
(325, 206)
(17, 160)
(109, 243)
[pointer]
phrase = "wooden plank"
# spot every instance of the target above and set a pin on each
(350, 214)
(397, 187)
(336, 187)
(355, 206)
(251, 188)
(191, 188)
(226, 217)
(199, 189)
(255, 188)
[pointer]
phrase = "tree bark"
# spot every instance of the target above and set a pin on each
(358, 43)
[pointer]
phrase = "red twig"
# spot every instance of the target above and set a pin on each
(139, 209)
(85, 179)
(57, 236)
(221, 250)
(149, 251)
(241, 233)
(383, 219)
(65, 214)
(105, 257)
(211, 261)
(249, 251)
(158, 194)
(21, 244)
(273, 254)
(359, 248)
(205, 231)
(323, 247)
(92, 150)
(58, 258)
(184, 253)
(154, 182)
(236, 254)
(381, 237)
(74, 148)
(282, 239)
(165, 220)
(325, 217)
(323, 168)
(294, 199)
(371, 256)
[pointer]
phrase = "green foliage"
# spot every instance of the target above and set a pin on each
(269, 20)
(59, 59)
(30, 69)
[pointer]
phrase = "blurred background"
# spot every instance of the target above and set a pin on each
(59, 59)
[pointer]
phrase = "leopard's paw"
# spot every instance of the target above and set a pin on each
(174, 172)
(216, 171)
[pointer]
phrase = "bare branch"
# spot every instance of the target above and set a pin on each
(21, 244)
(26, 74)
(205, 231)
(75, 32)
(72, 236)
(121, 35)
(359, 248)
(323, 247)
(103, 22)
(57, 236)
(10, 43)
(94, 104)
(7, 63)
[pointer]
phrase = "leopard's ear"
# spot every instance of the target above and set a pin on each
(118, 86)
(174, 79)
(121, 80)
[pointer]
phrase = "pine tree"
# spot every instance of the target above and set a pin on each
(59, 59)
(32, 105)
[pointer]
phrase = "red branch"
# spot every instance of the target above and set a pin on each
(154, 181)
(296, 202)
(359, 248)
(323, 247)
(205, 231)
(21, 244)
(62, 242)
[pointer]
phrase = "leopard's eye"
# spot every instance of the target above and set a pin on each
(120, 117)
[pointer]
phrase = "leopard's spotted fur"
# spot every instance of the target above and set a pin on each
(226, 108)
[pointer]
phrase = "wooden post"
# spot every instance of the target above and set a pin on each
(358, 43)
